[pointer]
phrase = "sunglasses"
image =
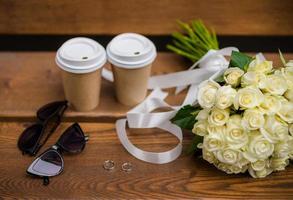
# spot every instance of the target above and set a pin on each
(50, 163)
(48, 119)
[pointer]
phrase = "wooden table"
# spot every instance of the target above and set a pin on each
(29, 80)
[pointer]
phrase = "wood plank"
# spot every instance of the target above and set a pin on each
(228, 17)
(29, 80)
(83, 177)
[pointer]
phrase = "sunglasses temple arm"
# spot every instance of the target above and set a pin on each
(86, 137)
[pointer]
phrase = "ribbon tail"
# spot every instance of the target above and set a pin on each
(151, 157)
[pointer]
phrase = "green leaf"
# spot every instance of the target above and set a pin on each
(282, 58)
(192, 148)
(220, 79)
(240, 60)
(185, 117)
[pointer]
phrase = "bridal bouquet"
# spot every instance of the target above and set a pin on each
(244, 119)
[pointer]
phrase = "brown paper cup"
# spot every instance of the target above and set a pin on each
(131, 84)
(81, 60)
(82, 90)
(131, 56)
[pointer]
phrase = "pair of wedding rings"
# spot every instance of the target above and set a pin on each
(110, 165)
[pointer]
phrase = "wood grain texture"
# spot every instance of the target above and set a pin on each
(84, 178)
(246, 17)
(29, 80)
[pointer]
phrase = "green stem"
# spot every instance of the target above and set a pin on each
(194, 41)
(182, 53)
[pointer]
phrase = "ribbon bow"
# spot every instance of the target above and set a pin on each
(211, 65)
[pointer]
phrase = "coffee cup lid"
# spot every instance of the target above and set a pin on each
(131, 50)
(81, 55)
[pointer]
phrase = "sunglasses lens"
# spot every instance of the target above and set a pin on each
(50, 126)
(47, 110)
(29, 137)
(35, 136)
(73, 139)
(48, 164)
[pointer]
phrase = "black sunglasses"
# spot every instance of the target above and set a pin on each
(35, 136)
(50, 163)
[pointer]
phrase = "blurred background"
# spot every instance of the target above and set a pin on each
(42, 25)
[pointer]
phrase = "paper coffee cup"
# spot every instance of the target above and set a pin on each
(131, 56)
(80, 60)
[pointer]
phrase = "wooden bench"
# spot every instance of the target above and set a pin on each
(29, 80)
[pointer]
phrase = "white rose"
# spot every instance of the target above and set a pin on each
(232, 76)
(289, 94)
(243, 163)
(259, 165)
(274, 84)
(274, 129)
(236, 169)
(258, 147)
(286, 111)
(207, 93)
(291, 129)
(252, 119)
(231, 169)
(234, 120)
(263, 173)
(289, 64)
(214, 141)
(228, 156)
(260, 174)
(282, 149)
(248, 97)
(279, 164)
(216, 130)
(279, 71)
(260, 66)
(200, 128)
(290, 144)
(289, 70)
(252, 79)
(218, 117)
(235, 136)
(224, 167)
(203, 114)
(225, 97)
(271, 104)
(287, 73)
(209, 156)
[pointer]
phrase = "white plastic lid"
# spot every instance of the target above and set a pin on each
(131, 50)
(81, 55)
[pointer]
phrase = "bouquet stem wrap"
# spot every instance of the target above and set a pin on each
(210, 65)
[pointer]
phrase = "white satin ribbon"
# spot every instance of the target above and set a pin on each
(141, 117)
(211, 65)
